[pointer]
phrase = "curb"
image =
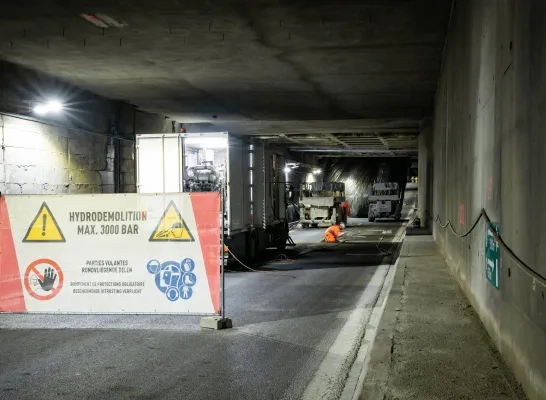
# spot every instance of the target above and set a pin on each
(359, 371)
(372, 382)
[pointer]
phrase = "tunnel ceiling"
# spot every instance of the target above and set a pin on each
(356, 73)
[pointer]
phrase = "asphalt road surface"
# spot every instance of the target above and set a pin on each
(285, 317)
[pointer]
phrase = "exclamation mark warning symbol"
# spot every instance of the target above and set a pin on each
(44, 227)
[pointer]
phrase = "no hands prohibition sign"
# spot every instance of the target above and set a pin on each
(43, 279)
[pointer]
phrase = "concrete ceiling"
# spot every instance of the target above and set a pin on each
(359, 73)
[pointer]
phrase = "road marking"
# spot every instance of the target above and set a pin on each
(359, 369)
(355, 380)
(329, 379)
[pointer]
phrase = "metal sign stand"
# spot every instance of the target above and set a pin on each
(220, 322)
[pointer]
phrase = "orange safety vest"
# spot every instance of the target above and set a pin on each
(331, 234)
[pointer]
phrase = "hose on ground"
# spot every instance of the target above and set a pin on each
(280, 257)
(483, 214)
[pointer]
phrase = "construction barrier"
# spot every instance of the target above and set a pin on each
(110, 253)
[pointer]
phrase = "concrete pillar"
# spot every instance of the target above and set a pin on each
(425, 167)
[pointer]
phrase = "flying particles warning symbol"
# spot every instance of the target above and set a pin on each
(44, 228)
(171, 227)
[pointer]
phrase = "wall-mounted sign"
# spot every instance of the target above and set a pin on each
(492, 256)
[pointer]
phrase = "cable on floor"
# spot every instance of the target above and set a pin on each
(280, 257)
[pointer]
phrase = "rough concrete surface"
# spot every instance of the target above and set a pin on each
(431, 344)
(363, 66)
(487, 153)
(38, 158)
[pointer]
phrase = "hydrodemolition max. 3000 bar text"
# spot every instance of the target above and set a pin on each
(108, 216)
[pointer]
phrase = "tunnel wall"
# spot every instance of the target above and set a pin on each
(425, 168)
(70, 152)
(38, 158)
(489, 146)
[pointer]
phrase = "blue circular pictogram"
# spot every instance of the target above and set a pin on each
(172, 294)
(174, 279)
(169, 276)
(187, 264)
(185, 292)
(189, 279)
(153, 266)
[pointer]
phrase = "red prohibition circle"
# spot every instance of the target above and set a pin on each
(32, 268)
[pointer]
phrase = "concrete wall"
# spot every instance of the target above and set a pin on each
(70, 152)
(425, 168)
(489, 151)
(40, 158)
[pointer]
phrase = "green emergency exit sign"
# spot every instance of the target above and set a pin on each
(492, 256)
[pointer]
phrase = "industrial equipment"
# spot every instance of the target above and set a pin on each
(202, 178)
(321, 204)
(251, 172)
(385, 201)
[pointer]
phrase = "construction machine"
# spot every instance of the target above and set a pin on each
(385, 201)
(321, 204)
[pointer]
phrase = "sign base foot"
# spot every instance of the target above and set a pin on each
(215, 323)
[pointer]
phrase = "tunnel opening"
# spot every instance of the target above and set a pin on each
(359, 174)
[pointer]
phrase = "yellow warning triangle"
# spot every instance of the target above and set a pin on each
(44, 227)
(171, 227)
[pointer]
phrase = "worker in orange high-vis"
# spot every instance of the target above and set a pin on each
(332, 233)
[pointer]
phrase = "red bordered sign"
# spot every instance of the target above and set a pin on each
(43, 279)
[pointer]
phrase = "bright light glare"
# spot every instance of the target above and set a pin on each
(40, 109)
(317, 171)
(207, 142)
(52, 106)
(287, 169)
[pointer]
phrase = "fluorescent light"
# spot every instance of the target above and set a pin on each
(94, 20)
(111, 21)
(207, 142)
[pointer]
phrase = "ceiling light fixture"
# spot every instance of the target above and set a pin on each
(52, 106)
(103, 20)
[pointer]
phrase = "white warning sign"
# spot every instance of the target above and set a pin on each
(129, 253)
